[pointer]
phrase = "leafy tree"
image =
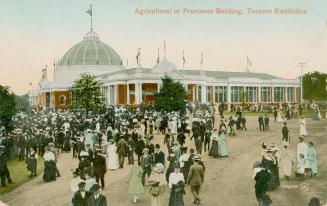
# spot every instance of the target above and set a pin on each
(86, 93)
(7, 108)
(172, 96)
(314, 86)
(22, 103)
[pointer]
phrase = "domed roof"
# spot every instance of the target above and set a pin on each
(91, 51)
(164, 66)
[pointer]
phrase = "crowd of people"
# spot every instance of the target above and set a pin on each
(266, 172)
(101, 141)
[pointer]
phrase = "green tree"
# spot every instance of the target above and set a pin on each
(314, 86)
(86, 93)
(172, 96)
(7, 107)
(22, 103)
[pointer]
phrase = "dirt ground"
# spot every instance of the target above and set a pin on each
(228, 181)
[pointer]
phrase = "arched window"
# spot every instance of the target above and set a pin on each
(62, 99)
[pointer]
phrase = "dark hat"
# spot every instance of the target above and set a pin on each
(81, 184)
(95, 187)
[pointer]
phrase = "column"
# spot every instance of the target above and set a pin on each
(158, 87)
(286, 94)
(259, 94)
(128, 101)
(116, 94)
(140, 92)
(108, 95)
(229, 97)
(136, 94)
(272, 94)
(213, 96)
(194, 94)
(197, 92)
(203, 93)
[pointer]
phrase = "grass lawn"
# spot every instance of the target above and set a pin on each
(19, 174)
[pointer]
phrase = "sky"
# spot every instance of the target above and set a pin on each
(34, 33)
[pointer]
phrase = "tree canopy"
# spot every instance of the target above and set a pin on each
(314, 86)
(86, 93)
(7, 108)
(171, 97)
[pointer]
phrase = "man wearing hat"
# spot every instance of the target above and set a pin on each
(285, 133)
(159, 156)
(146, 162)
(99, 167)
(81, 197)
(195, 179)
(97, 199)
(122, 151)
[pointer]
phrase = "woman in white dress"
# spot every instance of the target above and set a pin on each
(287, 161)
(112, 156)
(279, 118)
(303, 130)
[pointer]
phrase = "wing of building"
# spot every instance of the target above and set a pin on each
(123, 85)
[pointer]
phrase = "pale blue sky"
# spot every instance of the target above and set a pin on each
(34, 33)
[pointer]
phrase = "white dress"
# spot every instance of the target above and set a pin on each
(287, 161)
(112, 157)
(279, 118)
(302, 148)
(174, 127)
(303, 130)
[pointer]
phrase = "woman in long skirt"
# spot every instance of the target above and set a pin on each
(312, 159)
(222, 145)
(112, 156)
(176, 194)
(49, 166)
(135, 186)
(303, 129)
(32, 162)
(287, 161)
(158, 186)
(214, 144)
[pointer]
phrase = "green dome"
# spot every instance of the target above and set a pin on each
(91, 51)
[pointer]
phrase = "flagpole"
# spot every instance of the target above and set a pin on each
(183, 59)
(91, 17)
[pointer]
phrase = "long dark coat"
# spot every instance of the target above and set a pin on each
(78, 200)
(176, 194)
(99, 165)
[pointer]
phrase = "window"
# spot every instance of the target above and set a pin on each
(250, 94)
(236, 94)
(62, 99)
(220, 94)
(265, 94)
(279, 94)
(290, 94)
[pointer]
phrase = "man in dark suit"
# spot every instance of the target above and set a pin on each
(99, 167)
(97, 199)
(285, 133)
(266, 120)
(81, 197)
(196, 179)
(146, 162)
(159, 156)
(122, 151)
(261, 123)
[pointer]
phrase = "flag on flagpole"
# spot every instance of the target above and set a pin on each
(183, 58)
(249, 62)
(89, 11)
(158, 58)
(138, 56)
